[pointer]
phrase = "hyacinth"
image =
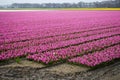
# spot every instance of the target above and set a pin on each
(57, 35)
(98, 57)
(75, 50)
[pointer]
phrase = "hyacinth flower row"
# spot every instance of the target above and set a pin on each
(14, 37)
(26, 50)
(41, 48)
(38, 47)
(24, 36)
(38, 31)
(68, 43)
(47, 40)
(72, 51)
(97, 58)
(53, 29)
(34, 34)
(51, 20)
(52, 40)
(43, 34)
(47, 25)
(69, 26)
(13, 54)
(85, 23)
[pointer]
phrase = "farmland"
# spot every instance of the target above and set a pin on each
(83, 9)
(89, 39)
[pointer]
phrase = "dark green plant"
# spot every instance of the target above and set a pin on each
(18, 60)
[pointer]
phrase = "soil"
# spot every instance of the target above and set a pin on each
(27, 70)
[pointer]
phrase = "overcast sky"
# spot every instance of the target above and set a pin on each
(4, 2)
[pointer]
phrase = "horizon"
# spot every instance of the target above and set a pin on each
(8, 2)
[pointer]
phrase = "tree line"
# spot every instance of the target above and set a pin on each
(103, 4)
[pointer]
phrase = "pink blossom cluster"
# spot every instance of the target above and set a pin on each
(50, 36)
(21, 26)
(98, 57)
(12, 54)
(43, 41)
(72, 51)
(32, 49)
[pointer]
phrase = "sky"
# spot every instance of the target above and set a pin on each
(5, 2)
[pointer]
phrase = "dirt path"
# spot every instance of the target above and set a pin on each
(111, 72)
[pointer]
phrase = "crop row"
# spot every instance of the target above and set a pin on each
(51, 37)
(99, 57)
(72, 51)
(41, 35)
(50, 40)
(24, 22)
(25, 51)
(68, 43)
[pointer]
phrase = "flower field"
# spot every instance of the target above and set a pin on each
(89, 38)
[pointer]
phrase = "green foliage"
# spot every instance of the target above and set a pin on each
(18, 60)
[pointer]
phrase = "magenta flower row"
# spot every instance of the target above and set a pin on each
(31, 25)
(51, 36)
(98, 57)
(42, 47)
(54, 39)
(72, 51)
